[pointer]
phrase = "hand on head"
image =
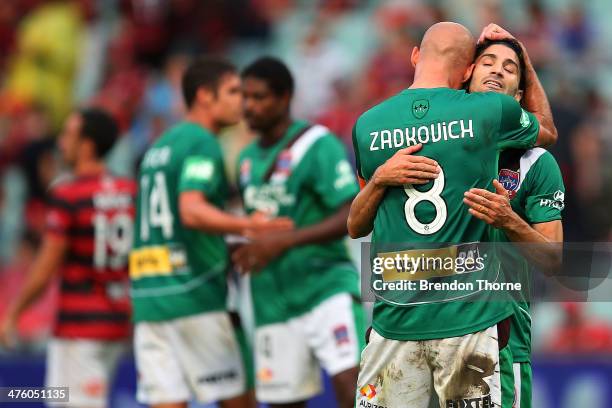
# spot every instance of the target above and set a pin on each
(494, 32)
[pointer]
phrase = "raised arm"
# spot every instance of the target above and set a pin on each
(534, 99)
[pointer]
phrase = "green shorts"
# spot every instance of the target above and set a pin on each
(522, 384)
(515, 381)
(507, 377)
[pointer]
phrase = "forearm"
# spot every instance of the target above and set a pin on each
(36, 283)
(545, 254)
(333, 227)
(401, 169)
(207, 218)
(535, 101)
(363, 209)
(521, 231)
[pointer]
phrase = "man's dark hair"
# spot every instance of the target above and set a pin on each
(514, 46)
(272, 71)
(99, 127)
(204, 72)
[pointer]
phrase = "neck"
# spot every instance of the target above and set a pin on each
(426, 77)
(202, 118)
(89, 167)
(275, 133)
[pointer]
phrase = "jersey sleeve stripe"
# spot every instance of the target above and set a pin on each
(305, 142)
(528, 160)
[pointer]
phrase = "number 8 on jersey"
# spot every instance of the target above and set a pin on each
(433, 196)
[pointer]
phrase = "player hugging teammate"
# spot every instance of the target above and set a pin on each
(527, 204)
(457, 348)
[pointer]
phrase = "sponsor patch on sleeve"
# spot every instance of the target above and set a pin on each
(199, 169)
(525, 121)
(557, 201)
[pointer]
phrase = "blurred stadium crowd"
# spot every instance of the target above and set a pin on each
(346, 55)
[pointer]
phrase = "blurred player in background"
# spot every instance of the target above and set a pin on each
(185, 342)
(305, 289)
(528, 201)
(455, 342)
(88, 238)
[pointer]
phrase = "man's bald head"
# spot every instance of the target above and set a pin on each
(446, 45)
(448, 42)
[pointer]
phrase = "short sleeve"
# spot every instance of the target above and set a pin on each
(545, 198)
(332, 177)
(517, 127)
(202, 169)
(59, 212)
(356, 151)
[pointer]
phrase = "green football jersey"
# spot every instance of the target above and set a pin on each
(534, 181)
(177, 271)
(464, 133)
(305, 176)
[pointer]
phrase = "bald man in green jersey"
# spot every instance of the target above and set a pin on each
(456, 343)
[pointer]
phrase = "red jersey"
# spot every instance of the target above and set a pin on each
(95, 215)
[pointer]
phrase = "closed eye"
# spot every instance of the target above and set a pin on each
(511, 67)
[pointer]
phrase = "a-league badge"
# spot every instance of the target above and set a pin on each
(283, 167)
(245, 171)
(510, 180)
(283, 164)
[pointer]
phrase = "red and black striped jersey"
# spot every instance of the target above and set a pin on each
(95, 215)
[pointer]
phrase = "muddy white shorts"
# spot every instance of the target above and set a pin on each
(85, 366)
(196, 356)
(463, 371)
